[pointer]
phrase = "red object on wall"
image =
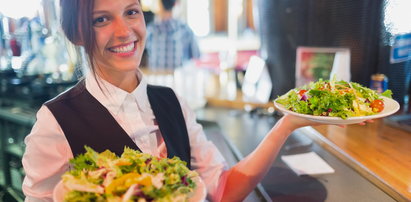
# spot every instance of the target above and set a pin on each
(211, 60)
(15, 47)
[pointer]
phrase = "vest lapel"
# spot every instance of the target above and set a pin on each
(167, 110)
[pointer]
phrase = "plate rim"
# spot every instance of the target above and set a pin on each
(202, 192)
(394, 106)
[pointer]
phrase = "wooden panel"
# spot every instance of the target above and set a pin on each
(249, 14)
(220, 15)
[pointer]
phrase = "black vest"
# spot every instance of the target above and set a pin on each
(85, 121)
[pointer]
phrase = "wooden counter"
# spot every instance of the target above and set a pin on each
(379, 152)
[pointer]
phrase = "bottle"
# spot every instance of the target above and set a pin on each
(379, 82)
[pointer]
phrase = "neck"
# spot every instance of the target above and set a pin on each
(127, 81)
(165, 15)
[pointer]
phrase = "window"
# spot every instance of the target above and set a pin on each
(198, 16)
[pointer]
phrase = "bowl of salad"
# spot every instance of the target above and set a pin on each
(134, 176)
(337, 102)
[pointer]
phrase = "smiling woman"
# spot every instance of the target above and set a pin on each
(120, 33)
(113, 35)
(114, 107)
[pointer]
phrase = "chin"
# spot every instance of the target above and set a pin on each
(127, 66)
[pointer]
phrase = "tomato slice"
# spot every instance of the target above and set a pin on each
(301, 92)
(377, 105)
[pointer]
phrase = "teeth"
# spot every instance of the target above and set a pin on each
(123, 49)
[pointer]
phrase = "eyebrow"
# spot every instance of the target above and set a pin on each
(104, 11)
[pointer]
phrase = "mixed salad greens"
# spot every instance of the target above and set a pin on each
(134, 176)
(335, 99)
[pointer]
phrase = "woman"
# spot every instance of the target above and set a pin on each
(114, 107)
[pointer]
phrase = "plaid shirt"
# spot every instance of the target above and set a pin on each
(169, 44)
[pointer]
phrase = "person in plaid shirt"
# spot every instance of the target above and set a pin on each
(170, 42)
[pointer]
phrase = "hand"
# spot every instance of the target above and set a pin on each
(365, 122)
(295, 122)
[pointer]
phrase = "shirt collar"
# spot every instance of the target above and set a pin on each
(113, 97)
(140, 93)
(168, 25)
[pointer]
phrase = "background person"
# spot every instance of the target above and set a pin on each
(170, 42)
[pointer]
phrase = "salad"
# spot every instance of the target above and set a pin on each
(335, 99)
(134, 176)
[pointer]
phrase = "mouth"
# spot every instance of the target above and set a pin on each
(124, 48)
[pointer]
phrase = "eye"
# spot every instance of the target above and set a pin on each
(132, 12)
(100, 21)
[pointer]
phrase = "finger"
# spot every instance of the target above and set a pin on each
(370, 121)
(341, 126)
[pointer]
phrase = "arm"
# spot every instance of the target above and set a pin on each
(194, 49)
(45, 158)
(246, 174)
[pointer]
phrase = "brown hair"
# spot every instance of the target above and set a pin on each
(77, 25)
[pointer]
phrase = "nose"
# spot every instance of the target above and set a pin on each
(122, 29)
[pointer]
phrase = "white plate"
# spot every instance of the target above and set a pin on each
(199, 194)
(390, 107)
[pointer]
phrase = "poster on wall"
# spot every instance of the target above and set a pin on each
(314, 63)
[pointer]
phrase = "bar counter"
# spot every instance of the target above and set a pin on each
(379, 152)
(245, 130)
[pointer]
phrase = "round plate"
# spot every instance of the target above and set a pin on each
(199, 194)
(391, 106)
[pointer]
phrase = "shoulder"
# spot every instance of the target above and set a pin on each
(71, 93)
(162, 94)
(169, 94)
(159, 90)
(185, 30)
(182, 25)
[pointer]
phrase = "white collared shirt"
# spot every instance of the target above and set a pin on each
(48, 152)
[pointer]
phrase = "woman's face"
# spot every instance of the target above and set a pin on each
(120, 35)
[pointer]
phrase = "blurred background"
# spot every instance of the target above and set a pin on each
(37, 63)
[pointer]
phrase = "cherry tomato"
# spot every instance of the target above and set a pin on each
(301, 92)
(377, 105)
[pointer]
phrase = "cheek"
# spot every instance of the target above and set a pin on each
(140, 29)
(143, 36)
(143, 31)
(102, 38)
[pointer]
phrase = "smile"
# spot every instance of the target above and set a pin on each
(123, 48)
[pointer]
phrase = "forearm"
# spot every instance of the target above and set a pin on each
(45, 158)
(245, 175)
